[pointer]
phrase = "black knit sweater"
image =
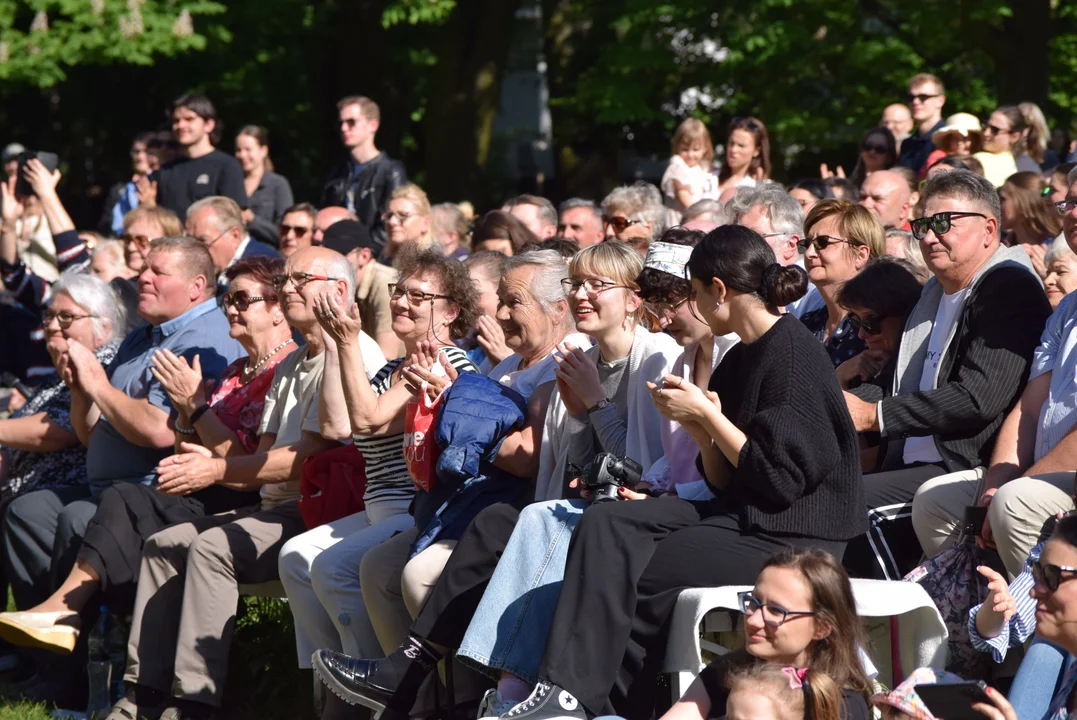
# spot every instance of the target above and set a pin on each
(799, 471)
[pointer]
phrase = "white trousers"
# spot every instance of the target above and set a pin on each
(320, 573)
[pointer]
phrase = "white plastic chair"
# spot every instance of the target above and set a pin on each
(921, 633)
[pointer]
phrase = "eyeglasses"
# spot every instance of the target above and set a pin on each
(299, 279)
(387, 217)
(821, 243)
(939, 223)
(877, 149)
(871, 324)
(1051, 575)
(299, 230)
(210, 243)
(590, 285)
(619, 224)
(1064, 206)
(64, 318)
(136, 239)
(415, 297)
(920, 97)
(773, 615)
(665, 309)
(240, 300)
(995, 129)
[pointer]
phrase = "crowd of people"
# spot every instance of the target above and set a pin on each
(510, 440)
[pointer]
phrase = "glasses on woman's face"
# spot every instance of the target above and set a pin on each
(820, 242)
(140, 240)
(996, 130)
(592, 286)
(873, 148)
(773, 615)
(1052, 576)
(299, 230)
(388, 217)
(871, 324)
(939, 223)
(299, 280)
(618, 223)
(241, 300)
(663, 310)
(1065, 206)
(63, 318)
(415, 297)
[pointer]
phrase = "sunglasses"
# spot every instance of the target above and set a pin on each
(240, 300)
(871, 324)
(1064, 206)
(141, 240)
(350, 122)
(773, 615)
(877, 149)
(920, 97)
(299, 230)
(1052, 575)
(996, 130)
(821, 243)
(619, 224)
(939, 223)
(299, 280)
(387, 217)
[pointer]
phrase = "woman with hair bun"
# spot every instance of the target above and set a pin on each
(779, 452)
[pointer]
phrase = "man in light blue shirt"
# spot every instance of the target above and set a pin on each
(122, 413)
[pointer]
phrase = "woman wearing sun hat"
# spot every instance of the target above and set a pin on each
(961, 135)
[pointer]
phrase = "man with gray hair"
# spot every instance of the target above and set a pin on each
(962, 363)
(580, 220)
(217, 222)
(537, 213)
(770, 211)
(635, 214)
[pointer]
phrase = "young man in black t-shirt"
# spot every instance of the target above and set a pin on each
(202, 170)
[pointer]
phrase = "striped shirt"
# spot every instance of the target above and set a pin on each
(386, 473)
(1057, 354)
(1021, 625)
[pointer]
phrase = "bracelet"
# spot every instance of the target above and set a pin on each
(202, 410)
(184, 431)
(599, 405)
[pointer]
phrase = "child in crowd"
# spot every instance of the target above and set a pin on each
(688, 177)
(770, 692)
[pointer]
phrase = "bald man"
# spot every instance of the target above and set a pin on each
(326, 217)
(887, 194)
(897, 118)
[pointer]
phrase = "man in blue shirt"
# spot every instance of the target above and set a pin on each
(122, 413)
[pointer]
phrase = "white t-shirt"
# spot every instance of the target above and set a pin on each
(923, 449)
(525, 381)
(701, 182)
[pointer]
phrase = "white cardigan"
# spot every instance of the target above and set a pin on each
(653, 356)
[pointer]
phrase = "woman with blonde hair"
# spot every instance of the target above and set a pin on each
(688, 177)
(408, 219)
(840, 238)
(1028, 218)
(1036, 156)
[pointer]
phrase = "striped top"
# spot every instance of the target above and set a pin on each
(386, 473)
(1021, 625)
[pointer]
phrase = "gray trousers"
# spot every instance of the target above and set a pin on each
(188, 589)
(42, 533)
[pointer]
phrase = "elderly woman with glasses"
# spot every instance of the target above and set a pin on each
(840, 238)
(635, 214)
(224, 421)
(408, 220)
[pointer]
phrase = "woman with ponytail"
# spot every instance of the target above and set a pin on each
(779, 452)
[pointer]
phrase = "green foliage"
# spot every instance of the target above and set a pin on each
(417, 12)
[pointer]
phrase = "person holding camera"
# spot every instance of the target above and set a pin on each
(600, 405)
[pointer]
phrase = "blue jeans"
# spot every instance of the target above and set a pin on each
(509, 629)
(1037, 679)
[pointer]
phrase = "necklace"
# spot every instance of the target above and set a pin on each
(249, 371)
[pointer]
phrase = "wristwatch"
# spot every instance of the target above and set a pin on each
(202, 409)
(599, 405)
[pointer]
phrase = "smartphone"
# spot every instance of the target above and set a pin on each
(51, 161)
(953, 701)
(974, 520)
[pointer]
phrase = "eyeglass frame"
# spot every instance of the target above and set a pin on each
(1064, 206)
(996, 130)
(388, 216)
(604, 285)
(922, 97)
(406, 293)
(871, 327)
(827, 240)
(949, 216)
(608, 220)
(284, 229)
(279, 283)
(231, 300)
(656, 309)
(47, 316)
(213, 242)
(745, 596)
(1038, 574)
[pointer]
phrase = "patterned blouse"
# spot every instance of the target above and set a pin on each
(240, 406)
(28, 470)
(842, 344)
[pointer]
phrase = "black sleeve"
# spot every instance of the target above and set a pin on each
(230, 182)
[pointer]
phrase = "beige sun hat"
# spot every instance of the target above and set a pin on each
(963, 124)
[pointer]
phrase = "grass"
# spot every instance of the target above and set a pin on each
(24, 711)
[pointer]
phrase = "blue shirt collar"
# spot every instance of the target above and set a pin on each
(178, 323)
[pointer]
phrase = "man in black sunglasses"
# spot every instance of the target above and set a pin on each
(926, 98)
(962, 363)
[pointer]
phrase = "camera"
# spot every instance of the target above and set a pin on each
(50, 160)
(606, 473)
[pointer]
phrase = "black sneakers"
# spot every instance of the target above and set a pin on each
(548, 702)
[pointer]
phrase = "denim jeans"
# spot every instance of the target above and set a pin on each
(1037, 679)
(508, 631)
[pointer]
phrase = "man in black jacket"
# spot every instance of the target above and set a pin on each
(364, 181)
(963, 361)
(926, 98)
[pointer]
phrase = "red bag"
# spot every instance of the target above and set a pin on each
(331, 485)
(421, 450)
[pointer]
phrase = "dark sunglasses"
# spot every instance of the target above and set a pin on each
(350, 122)
(619, 224)
(821, 242)
(995, 129)
(922, 97)
(1052, 575)
(747, 123)
(877, 149)
(299, 230)
(240, 300)
(939, 223)
(871, 324)
(1064, 206)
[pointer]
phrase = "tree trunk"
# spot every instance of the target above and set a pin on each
(1023, 53)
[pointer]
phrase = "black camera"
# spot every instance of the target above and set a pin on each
(606, 473)
(51, 161)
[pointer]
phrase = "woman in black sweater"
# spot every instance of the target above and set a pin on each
(780, 453)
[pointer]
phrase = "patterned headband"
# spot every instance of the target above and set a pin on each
(668, 258)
